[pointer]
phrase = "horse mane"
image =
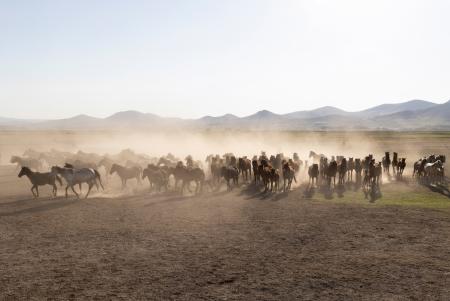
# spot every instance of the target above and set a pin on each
(27, 169)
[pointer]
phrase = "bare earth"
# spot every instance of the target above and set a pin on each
(219, 246)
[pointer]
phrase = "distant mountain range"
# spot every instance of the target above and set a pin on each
(410, 115)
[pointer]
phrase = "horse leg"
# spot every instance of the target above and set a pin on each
(182, 187)
(73, 189)
(89, 190)
(197, 189)
(32, 190)
(67, 194)
(55, 189)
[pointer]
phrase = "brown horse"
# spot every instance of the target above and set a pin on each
(313, 172)
(288, 175)
(40, 179)
(157, 176)
(230, 173)
(126, 173)
(331, 172)
(256, 174)
(274, 177)
(401, 166)
(350, 169)
(188, 175)
(245, 168)
(342, 169)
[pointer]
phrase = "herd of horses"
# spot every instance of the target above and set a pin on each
(270, 173)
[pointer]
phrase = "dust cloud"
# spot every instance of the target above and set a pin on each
(241, 143)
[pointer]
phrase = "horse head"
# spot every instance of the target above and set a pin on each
(24, 171)
(114, 168)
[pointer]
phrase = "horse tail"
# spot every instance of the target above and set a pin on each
(97, 176)
(59, 180)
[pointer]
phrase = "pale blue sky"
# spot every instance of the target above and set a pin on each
(194, 58)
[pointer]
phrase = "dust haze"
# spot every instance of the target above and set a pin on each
(241, 143)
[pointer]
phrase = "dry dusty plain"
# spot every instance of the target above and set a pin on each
(239, 245)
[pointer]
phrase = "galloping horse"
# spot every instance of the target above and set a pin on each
(316, 157)
(157, 176)
(40, 179)
(432, 171)
(288, 175)
(28, 162)
(188, 175)
(331, 173)
(230, 173)
(126, 173)
(386, 162)
(313, 172)
(401, 166)
(245, 168)
(395, 163)
(342, 169)
(78, 176)
(256, 174)
(350, 168)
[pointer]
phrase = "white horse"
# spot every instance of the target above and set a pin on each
(78, 176)
(26, 162)
(315, 156)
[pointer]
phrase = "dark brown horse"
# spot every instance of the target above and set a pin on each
(230, 174)
(156, 176)
(401, 167)
(40, 179)
(245, 168)
(350, 169)
(331, 172)
(394, 163)
(274, 177)
(386, 162)
(313, 172)
(187, 176)
(342, 169)
(288, 175)
(256, 174)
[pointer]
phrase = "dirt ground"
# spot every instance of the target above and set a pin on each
(238, 245)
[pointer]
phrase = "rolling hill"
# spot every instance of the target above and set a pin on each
(410, 115)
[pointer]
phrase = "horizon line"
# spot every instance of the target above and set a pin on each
(216, 116)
